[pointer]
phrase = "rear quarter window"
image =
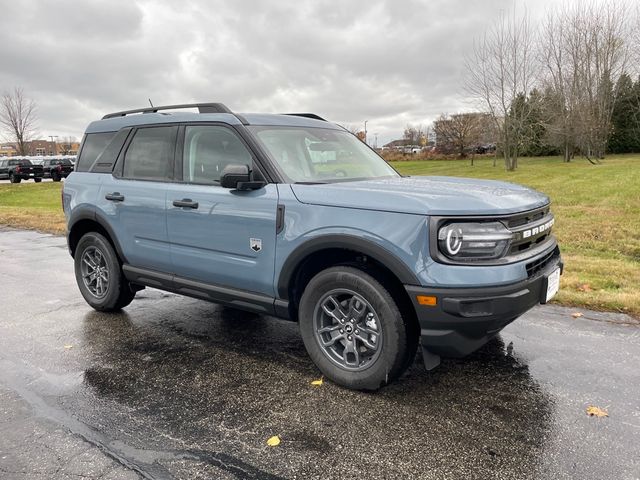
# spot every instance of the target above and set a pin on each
(92, 146)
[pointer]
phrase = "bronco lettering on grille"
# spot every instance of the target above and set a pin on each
(538, 230)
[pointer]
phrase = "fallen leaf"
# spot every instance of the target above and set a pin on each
(274, 441)
(585, 288)
(318, 382)
(577, 315)
(596, 412)
(67, 347)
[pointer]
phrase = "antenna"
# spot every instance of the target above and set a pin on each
(151, 103)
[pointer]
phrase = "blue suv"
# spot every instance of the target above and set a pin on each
(292, 216)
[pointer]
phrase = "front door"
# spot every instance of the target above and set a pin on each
(220, 236)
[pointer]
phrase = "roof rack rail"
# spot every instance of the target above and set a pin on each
(307, 115)
(202, 108)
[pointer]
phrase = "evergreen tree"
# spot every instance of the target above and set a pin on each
(534, 137)
(625, 134)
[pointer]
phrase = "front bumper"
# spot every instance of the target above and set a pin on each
(464, 319)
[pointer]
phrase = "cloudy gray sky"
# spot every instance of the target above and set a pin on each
(388, 62)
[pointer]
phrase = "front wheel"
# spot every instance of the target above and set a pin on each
(99, 275)
(37, 180)
(353, 329)
(55, 177)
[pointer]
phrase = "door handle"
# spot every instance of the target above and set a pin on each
(114, 197)
(185, 203)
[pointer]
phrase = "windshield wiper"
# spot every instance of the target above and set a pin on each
(311, 183)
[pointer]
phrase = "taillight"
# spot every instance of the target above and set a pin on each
(17, 169)
(59, 167)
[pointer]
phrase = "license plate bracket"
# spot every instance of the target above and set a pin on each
(552, 286)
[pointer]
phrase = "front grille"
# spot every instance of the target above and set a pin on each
(530, 230)
(520, 219)
(535, 267)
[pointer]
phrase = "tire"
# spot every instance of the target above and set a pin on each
(55, 177)
(13, 178)
(108, 291)
(37, 180)
(346, 359)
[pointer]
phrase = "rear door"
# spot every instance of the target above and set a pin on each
(134, 196)
(218, 235)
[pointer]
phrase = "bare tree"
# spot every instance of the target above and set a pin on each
(18, 118)
(65, 146)
(411, 135)
(457, 132)
(502, 66)
(585, 49)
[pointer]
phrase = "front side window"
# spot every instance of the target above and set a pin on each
(150, 154)
(319, 155)
(207, 150)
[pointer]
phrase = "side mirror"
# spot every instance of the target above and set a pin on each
(239, 177)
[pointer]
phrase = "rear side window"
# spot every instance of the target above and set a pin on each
(150, 154)
(93, 145)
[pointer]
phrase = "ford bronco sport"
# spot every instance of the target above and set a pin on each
(292, 216)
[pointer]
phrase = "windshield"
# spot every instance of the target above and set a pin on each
(319, 155)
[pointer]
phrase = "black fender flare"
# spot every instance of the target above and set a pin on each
(89, 213)
(348, 242)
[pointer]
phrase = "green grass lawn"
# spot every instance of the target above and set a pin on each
(597, 210)
(32, 205)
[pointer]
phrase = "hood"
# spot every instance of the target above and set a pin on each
(425, 196)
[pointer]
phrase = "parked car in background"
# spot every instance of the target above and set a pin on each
(57, 168)
(486, 148)
(18, 169)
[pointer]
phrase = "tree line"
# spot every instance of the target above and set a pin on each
(562, 85)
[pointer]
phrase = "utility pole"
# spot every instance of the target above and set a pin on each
(365, 131)
(55, 149)
(375, 141)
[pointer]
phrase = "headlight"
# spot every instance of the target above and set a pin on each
(468, 241)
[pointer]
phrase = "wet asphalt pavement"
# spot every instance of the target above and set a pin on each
(179, 388)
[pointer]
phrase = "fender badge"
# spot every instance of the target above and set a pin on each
(255, 244)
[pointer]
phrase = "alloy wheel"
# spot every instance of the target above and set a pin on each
(347, 329)
(95, 272)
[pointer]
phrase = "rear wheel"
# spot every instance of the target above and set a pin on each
(13, 178)
(37, 180)
(353, 329)
(99, 275)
